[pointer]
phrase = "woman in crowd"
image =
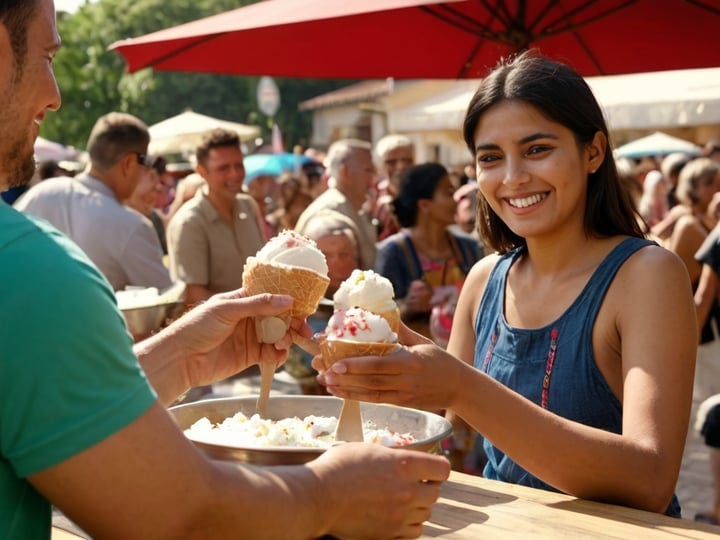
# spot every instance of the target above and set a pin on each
(562, 354)
(144, 197)
(699, 181)
(334, 236)
(427, 261)
(653, 205)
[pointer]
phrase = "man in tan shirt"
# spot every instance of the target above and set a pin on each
(211, 235)
(352, 174)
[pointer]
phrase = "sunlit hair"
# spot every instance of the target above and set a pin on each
(114, 135)
(391, 142)
(698, 172)
(215, 138)
(417, 182)
(340, 151)
(562, 96)
(15, 15)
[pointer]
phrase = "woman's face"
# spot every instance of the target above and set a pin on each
(531, 170)
(341, 255)
(442, 206)
(707, 188)
(144, 196)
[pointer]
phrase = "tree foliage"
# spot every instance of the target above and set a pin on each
(93, 81)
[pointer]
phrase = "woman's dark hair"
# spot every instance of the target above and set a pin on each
(15, 15)
(418, 182)
(562, 96)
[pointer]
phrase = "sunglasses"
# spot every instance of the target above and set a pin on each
(144, 160)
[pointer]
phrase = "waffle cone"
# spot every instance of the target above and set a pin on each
(305, 286)
(333, 350)
(393, 319)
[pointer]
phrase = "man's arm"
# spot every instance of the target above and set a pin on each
(148, 481)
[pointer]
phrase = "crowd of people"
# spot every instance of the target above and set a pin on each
(529, 310)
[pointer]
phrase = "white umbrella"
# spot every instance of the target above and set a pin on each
(656, 144)
(182, 133)
(46, 150)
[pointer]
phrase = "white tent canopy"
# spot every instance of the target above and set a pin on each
(182, 133)
(656, 144)
(661, 99)
(637, 101)
(46, 150)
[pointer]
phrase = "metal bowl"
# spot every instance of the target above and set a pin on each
(427, 428)
(147, 319)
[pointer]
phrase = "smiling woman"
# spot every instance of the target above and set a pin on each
(560, 336)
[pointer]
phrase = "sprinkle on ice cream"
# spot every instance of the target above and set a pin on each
(358, 324)
(293, 250)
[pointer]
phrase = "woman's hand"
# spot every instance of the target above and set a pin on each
(420, 375)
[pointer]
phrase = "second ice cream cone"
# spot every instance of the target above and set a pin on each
(333, 350)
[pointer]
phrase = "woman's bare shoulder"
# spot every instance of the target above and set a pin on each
(652, 266)
(480, 272)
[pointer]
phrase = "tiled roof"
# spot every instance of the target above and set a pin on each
(361, 91)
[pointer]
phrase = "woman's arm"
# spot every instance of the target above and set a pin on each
(652, 336)
(705, 294)
(655, 336)
(686, 238)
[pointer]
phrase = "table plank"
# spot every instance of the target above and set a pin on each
(61, 534)
(471, 507)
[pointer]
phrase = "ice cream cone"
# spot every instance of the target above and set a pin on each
(333, 350)
(393, 318)
(305, 286)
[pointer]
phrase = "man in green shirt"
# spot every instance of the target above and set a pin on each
(83, 425)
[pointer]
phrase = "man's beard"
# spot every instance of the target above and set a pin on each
(19, 165)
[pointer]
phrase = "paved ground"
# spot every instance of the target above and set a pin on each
(694, 488)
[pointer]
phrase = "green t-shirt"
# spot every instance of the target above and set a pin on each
(68, 376)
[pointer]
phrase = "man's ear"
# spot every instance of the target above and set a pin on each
(201, 170)
(126, 162)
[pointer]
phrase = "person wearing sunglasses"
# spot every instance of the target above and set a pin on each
(88, 208)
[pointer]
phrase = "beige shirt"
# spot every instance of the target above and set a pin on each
(332, 200)
(206, 250)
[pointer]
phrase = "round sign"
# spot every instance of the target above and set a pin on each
(268, 96)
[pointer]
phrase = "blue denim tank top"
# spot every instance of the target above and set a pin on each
(553, 366)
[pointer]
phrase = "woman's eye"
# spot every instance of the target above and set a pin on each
(538, 149)
(487, 158)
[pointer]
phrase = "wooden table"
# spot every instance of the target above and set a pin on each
(471, 507)
(474, 508)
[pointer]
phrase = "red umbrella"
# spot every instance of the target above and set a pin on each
(433, 38)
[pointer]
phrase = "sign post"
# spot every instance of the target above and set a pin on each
(268, 96)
